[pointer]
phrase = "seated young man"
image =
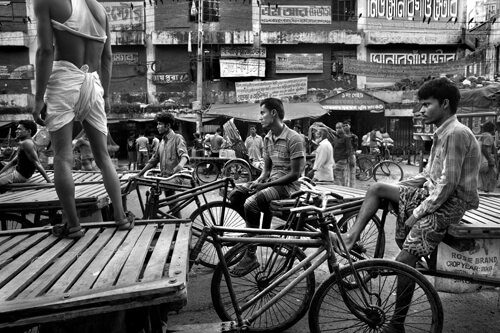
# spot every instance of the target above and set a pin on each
(284, 161)
(432, 200)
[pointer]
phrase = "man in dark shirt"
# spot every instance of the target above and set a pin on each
(341, 148)
(26, 160)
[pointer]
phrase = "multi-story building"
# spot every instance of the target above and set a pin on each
(360, 60)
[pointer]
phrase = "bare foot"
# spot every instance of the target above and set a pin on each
(347, 241)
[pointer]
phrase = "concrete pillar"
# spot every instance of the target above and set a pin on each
(150, 53)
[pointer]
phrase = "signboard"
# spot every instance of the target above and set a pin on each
(353, 100)
(411, 14)
(296, 15)
(257, 90)
(243, 52)
(242, 67)
(299, 63)
(129, 58)
(171, 78)
(125, 15)
(9, 72)
(413, 58)
(365, 68)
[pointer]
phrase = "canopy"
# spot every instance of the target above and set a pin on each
(485, 99)
(251, 111)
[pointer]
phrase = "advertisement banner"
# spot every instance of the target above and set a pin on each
(257, 90)
(365, 68)
(242, 52)
(296, 15)
(299, 63)
(242, 67)
(125, 15)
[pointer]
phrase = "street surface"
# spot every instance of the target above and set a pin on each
(474, 312)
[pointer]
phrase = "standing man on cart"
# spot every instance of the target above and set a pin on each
(432, 200)
(284, 161)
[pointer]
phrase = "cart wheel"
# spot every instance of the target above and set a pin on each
(238, 171)
(14, 221)
(206, 172)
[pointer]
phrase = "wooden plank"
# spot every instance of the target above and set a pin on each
(156, 264)
(81, 264)
(19, 263)
(29, 274)
(135, 261)
(4, 239)
(20, 245)
(11, 242)
(51, 275)
(110, 272)
(179, 263)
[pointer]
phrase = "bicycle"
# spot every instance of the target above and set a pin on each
(385, 171)
(207, 213)
(274, 296)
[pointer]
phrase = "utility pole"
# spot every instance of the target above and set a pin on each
(197, 106)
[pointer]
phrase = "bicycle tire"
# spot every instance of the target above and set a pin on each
(388, 172)
(208, 215)
(398, 154)
(365, 166)
(329, 311)
(206, 172)
(371, 242)
(287, 311)
(238, 171)
(13, 221)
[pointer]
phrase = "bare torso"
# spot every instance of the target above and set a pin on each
(72, 48)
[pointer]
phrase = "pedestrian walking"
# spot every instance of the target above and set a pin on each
(341, 148)
(142, 145)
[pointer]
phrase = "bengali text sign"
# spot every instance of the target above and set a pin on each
(125, 15)
(253, 91)
(242, 67)
(296, 15)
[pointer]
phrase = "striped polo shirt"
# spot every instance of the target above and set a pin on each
(288, 146)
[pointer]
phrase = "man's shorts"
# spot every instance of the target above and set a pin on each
(11, 177)
(423, 238)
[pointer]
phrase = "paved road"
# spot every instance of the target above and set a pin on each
(477, 312)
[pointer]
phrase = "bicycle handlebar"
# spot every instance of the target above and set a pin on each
(186, 173)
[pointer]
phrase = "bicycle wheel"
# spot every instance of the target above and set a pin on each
(371, 243)
(238, 171)
(398, 154)
(365, 166)
(275, 261)
(330, 312)
(206, 172)
(13, 221)
(388, 172)
(209, 215)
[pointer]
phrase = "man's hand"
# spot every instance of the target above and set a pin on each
(256, 187)
(107, 105)
(178, 168)
(49, 181)
(411, 221)
(39, 112)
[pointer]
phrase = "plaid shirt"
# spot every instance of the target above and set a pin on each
(452, 169)
(172, 148)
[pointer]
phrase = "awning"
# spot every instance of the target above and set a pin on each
(5, 123)
(251, 111)
(124, 120)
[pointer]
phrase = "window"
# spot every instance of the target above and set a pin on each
(210, 10)
(343, 10)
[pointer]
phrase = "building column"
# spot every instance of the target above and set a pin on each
(150, 53)
(32, 36)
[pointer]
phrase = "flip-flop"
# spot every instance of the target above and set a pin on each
(244, 271)
(62, 231)
(127, 223)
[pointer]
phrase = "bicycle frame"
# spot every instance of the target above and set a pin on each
(178, 201)
(324, 253)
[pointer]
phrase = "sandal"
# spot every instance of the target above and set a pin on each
(62, 231)
(127, 223)
(240, 270)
